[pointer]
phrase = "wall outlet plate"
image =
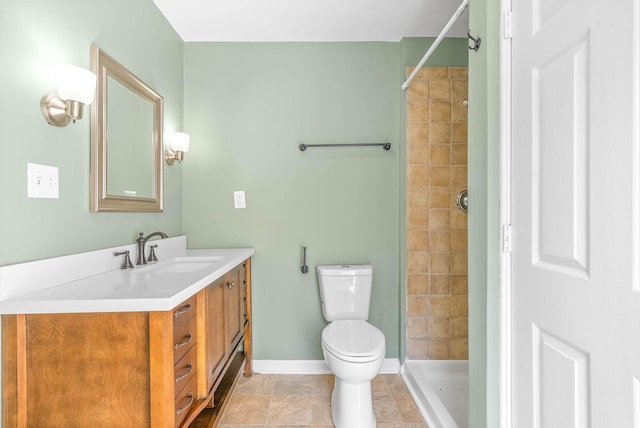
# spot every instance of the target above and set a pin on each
(239, 200)
(42, 181)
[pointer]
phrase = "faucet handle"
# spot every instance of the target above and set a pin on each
(152, 254)
(126, 263)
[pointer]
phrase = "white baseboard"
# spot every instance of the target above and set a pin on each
(389, 366)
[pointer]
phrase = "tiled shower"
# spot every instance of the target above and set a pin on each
(437, 307)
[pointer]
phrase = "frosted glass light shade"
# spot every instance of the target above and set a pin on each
(76, 83)
(180, 141)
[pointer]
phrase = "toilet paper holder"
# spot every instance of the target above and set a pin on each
(304, 268)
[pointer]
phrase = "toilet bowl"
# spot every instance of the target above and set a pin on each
(354, 351)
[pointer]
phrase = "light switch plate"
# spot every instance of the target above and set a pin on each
(239, 200)
(42, 181)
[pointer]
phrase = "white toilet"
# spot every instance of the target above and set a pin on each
(353, 349)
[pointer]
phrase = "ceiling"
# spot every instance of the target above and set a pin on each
(307, 20)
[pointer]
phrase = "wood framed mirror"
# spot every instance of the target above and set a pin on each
(126, 140)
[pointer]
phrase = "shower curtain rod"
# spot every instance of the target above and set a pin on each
(434, 45)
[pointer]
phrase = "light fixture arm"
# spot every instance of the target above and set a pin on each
(170, 156)
(59, 112)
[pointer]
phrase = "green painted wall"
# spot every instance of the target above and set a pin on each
(451, 52)
(248, 107)
(34, 36)
(484, 227)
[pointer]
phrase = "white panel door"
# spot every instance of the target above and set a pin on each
(575, 305)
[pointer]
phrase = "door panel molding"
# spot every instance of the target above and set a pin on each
(560, 376)
(560, 206)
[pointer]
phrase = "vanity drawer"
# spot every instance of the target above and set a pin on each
(184, 337)
(185, 399)
(184, 312)
(184, 370)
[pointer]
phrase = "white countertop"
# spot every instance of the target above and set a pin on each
(118, 290)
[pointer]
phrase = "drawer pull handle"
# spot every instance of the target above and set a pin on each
(186, 406)
(183, 342)
(230, 285)
(185, 373)
(183, 310)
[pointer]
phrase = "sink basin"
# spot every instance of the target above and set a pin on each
(179, 265)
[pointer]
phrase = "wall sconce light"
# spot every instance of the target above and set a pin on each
(76, 87)
(179, 142)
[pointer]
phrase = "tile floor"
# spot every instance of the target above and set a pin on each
(287, 401)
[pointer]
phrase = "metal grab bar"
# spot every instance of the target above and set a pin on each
(385, 146)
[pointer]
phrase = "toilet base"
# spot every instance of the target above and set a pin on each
(352, 405)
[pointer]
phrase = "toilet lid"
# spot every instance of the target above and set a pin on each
(353, 338)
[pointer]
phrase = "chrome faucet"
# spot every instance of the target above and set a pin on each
(141, 241)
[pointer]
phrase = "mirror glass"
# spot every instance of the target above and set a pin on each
(126, 134)
(130, 148)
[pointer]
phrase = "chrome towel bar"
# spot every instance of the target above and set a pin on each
(385, 146)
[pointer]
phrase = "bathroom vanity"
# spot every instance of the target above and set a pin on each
(148, 347)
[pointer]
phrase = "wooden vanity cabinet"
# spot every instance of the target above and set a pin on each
(185, 359)
(80, 370)
(234, 300)
(214, 352)
(224, 320)
(128, 369)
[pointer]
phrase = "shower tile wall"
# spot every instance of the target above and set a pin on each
(436, 229)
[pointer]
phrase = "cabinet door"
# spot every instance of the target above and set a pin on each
(75, 370)
(233, 300)
(215, 339)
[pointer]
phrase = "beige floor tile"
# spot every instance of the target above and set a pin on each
(396, 385)
(408, 410)
(401, 425)
(290, 410)
(304, 401)
(303, 385)
(240, 426)
(243, 409)
(257, 384)
(321, 411)
(290, 426)
(385, 410)
(379, 386)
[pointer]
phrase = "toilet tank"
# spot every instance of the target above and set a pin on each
(345, 291)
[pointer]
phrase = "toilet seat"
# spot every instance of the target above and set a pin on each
(353, 340)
